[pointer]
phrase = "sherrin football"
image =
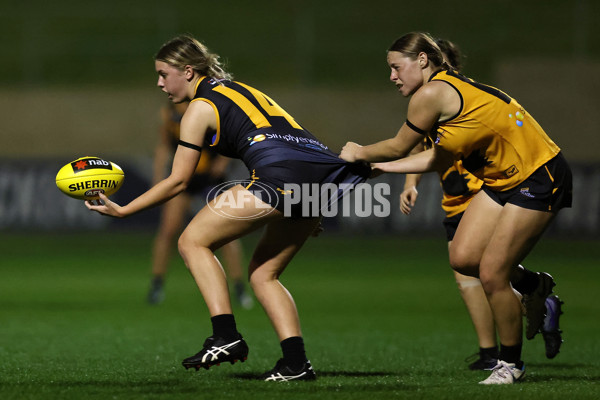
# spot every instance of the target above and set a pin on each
(86, 177)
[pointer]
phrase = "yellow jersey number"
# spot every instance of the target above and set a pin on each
(255, 115)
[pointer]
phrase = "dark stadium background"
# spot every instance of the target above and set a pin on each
(77, 79)
(380, 311)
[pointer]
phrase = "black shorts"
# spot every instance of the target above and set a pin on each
(451, 224)
(549, 188)
(269, 183)
(201, 184)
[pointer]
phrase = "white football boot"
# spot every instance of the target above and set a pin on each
(504, 374)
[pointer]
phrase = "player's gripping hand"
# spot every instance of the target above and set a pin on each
(408, 199)
(104, 206)
(349, 152)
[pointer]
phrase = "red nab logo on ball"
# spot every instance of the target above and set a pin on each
(90, 163)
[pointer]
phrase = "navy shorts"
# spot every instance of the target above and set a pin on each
(451, 224)
(269, 182)
(549, 188)
(201, 184)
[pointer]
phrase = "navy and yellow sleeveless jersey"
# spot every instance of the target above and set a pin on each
(173, 124)
(252, 127)
(494, 137)
(458, 187)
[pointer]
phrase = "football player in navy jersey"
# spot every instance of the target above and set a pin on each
(241, 122)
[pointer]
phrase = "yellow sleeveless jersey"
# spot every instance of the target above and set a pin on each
(492, 135)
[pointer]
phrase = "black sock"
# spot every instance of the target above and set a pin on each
(491, 352)
(528, 282)
(239, 287)
(158, 280)
(511, 354)
(224, 326)
(293, 352)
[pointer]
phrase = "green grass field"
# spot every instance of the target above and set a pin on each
(382, 319)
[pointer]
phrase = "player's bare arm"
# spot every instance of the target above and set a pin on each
(198, 119)
(424, 110)
(434, 159)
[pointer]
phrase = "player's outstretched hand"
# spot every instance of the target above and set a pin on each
(104, 206)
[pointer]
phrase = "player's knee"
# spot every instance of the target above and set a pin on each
(260, 276)
(489, 286)
(463, 262)
(185, 245)
(182, 246)
(492, 282)
(257, 281)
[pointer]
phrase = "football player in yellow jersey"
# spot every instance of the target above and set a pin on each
(526, 178)
(459, 187)
(210, 171)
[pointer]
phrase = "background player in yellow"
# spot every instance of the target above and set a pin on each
(526, 179)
